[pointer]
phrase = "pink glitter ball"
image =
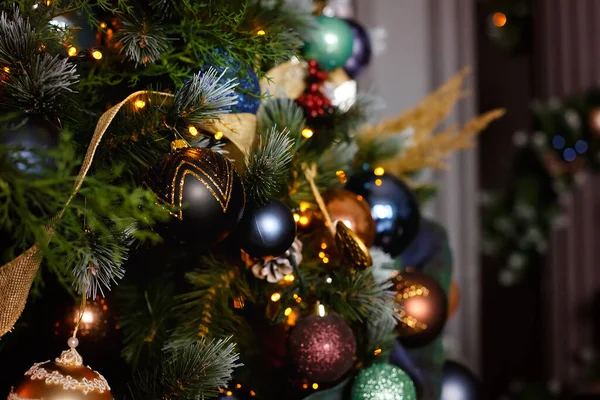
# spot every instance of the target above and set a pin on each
(322, 348)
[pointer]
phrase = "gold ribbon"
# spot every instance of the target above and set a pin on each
(17, 275)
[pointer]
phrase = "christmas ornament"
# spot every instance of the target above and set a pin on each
(332, 44)
(353, 250)
(453, 299)
(400, 358)
(459, 383)
(203, 192)
(353, 211)
(423, 247)
(322, 348)
(383, 382)
(316, 105)
(361, 50)
(30, 139)
(267, 230)
(275, 268)
(81, 34)
(64, 378)
(248, 88)
(422, 308)
(393, 207)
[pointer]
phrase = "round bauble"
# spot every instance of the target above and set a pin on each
(353, 211)
(322, 348)
(267, 230)
(30, 139)
(331, 45)
(423, 247)
(248, 89)
(459, 383)
(383, 382)
(361, 50)
(82, 35)
(422, 306)
(64, 378)
(393, 207)
(203, 192)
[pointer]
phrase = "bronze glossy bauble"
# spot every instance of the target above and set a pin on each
(203, 192)
(61, 379)
(422, 307)
(322, 348)
(353, 211)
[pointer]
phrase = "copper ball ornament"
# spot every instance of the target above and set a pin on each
(422, 306)
(322, 349)
(64, 378)
(203, 192)
(353, 211)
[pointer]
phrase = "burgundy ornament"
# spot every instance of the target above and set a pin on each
(361, 50)
(322, 348)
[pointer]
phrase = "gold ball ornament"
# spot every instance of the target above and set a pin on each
(353, 211)
(64, 378)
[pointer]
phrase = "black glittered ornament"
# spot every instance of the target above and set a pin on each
(204, 194)
(459, 383)
(28, 141)
(267, 230)
(393, 207)
(422, 307)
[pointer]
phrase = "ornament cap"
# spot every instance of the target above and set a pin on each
(70, 358)
(179, 144)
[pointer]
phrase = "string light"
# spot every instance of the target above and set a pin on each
(303, 220)
(321, 310)
(325, 260)
(378, 182)
(7, 70)
(307, 132)
(252, 393)
(97, 54)
(341, 176)
(103, 25)
(287, 311)
(321, 254)
(289, 278)
(48, 3)
(275, 297)
(218, 135)
(377, 352)
(192, 130)
(328, 280)
(305, 386)
(315, 385)
(296, 217)
(304, 205)
(379, 171)
(229, 393)
(72, 51)
(238, 386)
(139, 104)
(323, 245)
(261, 32)
(499, 19)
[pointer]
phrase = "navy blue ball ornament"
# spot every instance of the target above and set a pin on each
(28, 141)
(248, 88)
(459, 383)
(428, 241)
(393, 207)
(361, 50)
(267, 230)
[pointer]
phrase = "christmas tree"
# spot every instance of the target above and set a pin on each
(259, 225)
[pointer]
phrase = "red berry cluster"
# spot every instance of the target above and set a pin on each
(313, 100)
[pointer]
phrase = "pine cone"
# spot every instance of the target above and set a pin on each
(274, 268)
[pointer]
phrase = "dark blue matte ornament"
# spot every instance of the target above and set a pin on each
(424, 247)
(248, 89)
(393, 207)
(361, 50)
(28, 142)
(400, 358)
(459, 383)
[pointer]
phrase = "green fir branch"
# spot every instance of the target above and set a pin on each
(191, 372)
(143, 41)
(268, 166)
(281, 111)
(18, 39)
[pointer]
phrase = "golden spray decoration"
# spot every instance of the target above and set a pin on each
(428, 148)
(17, 275)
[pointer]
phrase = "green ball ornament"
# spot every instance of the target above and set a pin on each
(383, 382)
(332, 44)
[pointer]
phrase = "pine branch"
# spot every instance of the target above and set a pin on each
(39, 86)
(18, 39)
(203, 97)
(143, 41)
(281, 111)
(268, 166)
(191, 372)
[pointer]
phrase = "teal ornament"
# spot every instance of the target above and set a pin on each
(331, 46)
(383, 382)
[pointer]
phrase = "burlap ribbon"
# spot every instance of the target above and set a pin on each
(17, 276)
